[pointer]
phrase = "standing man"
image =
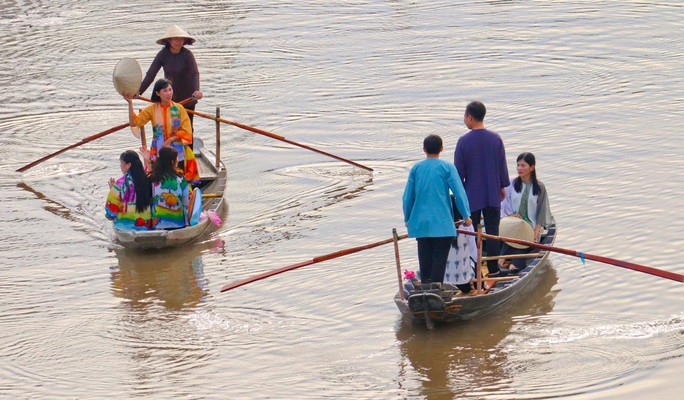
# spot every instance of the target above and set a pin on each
(480, 159)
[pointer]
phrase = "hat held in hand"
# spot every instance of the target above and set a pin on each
(516, 228)
(127, 77)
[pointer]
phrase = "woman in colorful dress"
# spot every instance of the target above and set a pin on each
(179, 66)
(128, 201)
(526, 198)
(170, 191)
(170, 127)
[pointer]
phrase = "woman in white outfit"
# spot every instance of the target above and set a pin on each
(526, 198)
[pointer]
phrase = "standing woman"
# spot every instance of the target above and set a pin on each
(179, 66)
(170, 191)
(526, 198)
(128, 201)
(170, 127)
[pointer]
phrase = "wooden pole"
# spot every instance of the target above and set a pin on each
(218, 138)
(281, 138)
(396, 258)
(478, 271)
(143, 138)
(305, 263)
(82, 142)
(618, 263)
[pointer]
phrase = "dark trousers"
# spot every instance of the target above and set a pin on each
(432, 257)
(520, 263)
(492, 217)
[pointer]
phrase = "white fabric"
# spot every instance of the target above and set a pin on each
(462, 259)
(511, 203)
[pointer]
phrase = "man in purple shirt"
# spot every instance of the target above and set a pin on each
(480, 159)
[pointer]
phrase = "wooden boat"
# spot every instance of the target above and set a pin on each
(213, 176)
(448, 304)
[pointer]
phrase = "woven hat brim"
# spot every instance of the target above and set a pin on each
(516, 228)
(127, 77)
(175, 31)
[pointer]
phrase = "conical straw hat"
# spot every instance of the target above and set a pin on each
(516, 228)
(175, 31)
(127, 77)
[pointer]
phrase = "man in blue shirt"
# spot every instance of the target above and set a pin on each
(480, 159)
(428, 211)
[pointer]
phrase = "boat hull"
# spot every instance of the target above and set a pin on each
(468, 307)
(213, 189)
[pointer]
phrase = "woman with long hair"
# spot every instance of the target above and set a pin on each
(170, 127)
(170, 191)
(526, 198)
(128, 201)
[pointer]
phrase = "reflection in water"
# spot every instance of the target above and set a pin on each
(160, 289)
(173, 277)
(52, 206)
(465, 358)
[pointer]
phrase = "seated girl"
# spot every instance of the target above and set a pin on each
(128, 201)
(526, 198)
(170, 191)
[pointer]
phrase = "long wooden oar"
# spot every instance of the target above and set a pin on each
(272, 135)
(312, 261)
(619, 263)
(82, 142)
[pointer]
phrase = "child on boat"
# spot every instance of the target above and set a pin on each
(128, 201)
(428, 212)
(170, 191)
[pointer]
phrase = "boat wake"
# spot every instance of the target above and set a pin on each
(211, 321)
(632, 331)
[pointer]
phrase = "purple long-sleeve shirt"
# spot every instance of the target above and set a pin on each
(480, 159)
(180, 69)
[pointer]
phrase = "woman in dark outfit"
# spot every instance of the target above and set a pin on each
(179, 67)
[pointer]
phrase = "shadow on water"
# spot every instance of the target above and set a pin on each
(457, 360)
(173, 278)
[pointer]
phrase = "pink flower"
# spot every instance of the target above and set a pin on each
(212, 216)
(408, 274)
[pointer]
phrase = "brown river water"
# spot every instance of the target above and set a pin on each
(594, 88)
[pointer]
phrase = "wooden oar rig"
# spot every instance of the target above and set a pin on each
(82, 142)
(271, 135)
(607, 260)
(309, 262)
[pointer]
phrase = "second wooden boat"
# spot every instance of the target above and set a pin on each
(448, 304)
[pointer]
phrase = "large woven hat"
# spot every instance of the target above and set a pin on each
(175, 31)
(516, 228)
(127, 77)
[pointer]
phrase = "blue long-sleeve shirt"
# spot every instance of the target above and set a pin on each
(427, 203)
